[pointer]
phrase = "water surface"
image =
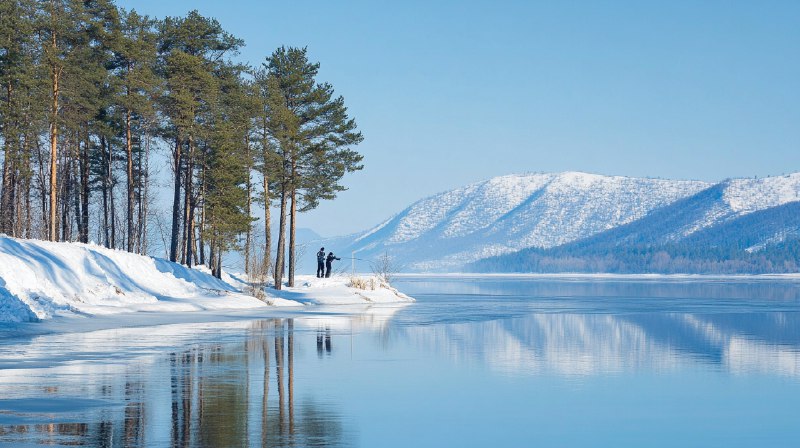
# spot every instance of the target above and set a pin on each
(475, 362)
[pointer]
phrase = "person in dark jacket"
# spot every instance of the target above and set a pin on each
(328, 262)
(321, 262)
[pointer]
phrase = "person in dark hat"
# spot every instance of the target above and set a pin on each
(329, 262)
(321, 262)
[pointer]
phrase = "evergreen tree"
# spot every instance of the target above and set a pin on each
(314, 135)
(228, 165)
(191, 49)
(135, 58)
(267, 158)
(19, 105)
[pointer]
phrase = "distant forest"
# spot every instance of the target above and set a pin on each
(766, 241)
(664, 259)
(88, 91)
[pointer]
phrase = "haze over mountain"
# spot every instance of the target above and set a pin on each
(504, 214)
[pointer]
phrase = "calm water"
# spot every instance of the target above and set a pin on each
(475, 362)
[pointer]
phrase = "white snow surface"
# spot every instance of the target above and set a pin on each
(750, 195)
(41, 280)
(743, 196)
(337, 290)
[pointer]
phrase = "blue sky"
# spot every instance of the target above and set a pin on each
(452, 92)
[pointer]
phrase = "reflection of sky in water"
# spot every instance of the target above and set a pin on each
(477, 362)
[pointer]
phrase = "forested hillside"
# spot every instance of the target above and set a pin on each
(766, 241)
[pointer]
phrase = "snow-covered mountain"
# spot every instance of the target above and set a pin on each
(753, 210)
(508, 213)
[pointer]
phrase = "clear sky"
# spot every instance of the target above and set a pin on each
(452, 92)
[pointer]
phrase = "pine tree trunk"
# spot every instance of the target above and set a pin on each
(84, 166)
(195, 241)
(76, 190)
(112, 208)
(28, 218)
(176, 203)
(187, 203)
(53, 223)
(129, 151)
(219, 263)
(190, 241)
(42, 186)
(20, 189)
(249, 235)
(18, 206)
(105, 193)
(6, 212)
(63, 196)
(292, 218)
(279, 257)
(202, 215)
(6, 198)
(138, 201)
(212, 258)
(143, 199)
(267, 226)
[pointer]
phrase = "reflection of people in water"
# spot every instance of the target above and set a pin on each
(326, 337)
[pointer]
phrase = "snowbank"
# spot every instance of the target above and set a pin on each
(40, 280)
(339, 290)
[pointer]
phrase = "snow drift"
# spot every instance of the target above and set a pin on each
(40, 280)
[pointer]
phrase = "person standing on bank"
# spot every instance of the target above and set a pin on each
(321, 262)
(328, 262)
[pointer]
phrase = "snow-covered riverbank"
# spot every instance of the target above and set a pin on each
(41, 280)
(340, 290)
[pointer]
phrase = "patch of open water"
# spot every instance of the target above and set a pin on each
(475, 362)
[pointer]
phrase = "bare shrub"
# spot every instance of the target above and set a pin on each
(258, 272)
(358, 283)
(385, 268)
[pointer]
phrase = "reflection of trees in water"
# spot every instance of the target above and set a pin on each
(218, 396)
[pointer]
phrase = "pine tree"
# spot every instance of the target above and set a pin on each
(314, 135)
(19, 97)
(228, 165)
(269, 162)
(134, 67)
(191, 48)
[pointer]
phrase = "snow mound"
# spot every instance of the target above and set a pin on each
(40, 280)
(340, 290)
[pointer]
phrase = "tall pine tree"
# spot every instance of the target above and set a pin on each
(314, 137)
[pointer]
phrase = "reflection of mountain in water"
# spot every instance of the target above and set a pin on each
(598, 325)
(583, 344)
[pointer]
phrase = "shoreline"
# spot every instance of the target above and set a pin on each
(602, 276)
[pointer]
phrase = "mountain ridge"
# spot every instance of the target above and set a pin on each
(505, 214)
